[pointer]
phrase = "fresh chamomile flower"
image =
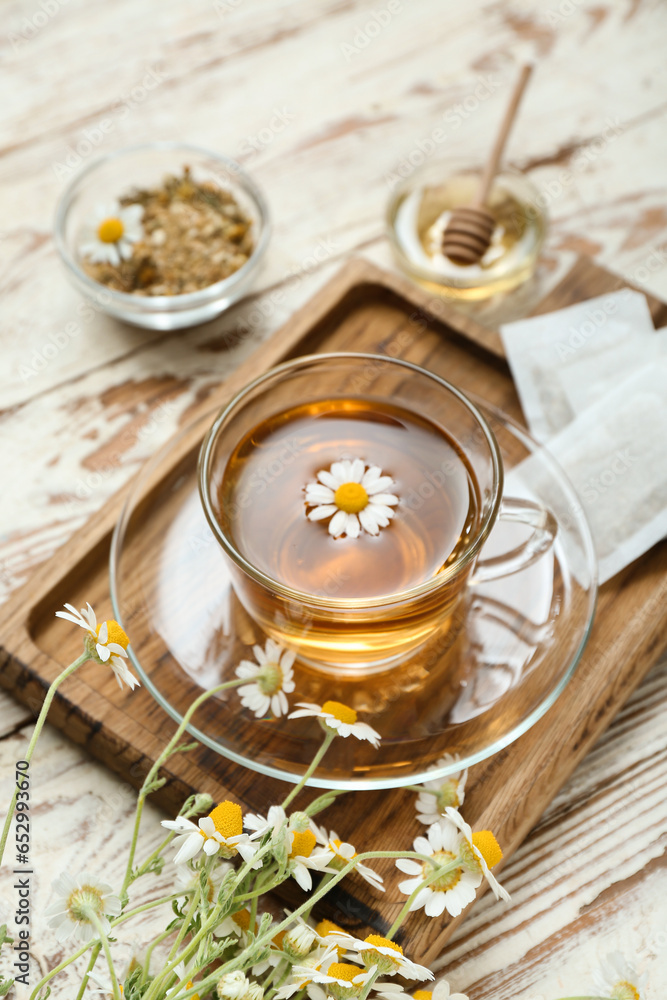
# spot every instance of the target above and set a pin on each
(180, 973)
(113, 230)
(354, 496)
(299, 940)
(343, 980)
(341, 718)
(236, 925)
(232, 986)
(343, 853)
(221, 832)
(483, 852)
(439, 793)
(382, 954)
(106, 642)
(188, 879)
(302, 857)
(271, 677)
(619, 979)
(82, 902)
(454, 889)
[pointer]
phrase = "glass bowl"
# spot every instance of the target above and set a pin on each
(418, 212)
(143, 166)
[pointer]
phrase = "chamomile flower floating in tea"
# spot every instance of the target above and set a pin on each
(271, 677)
(112, 233)
(619, 980)
(439, 793)
(83, 906)
(341, 718)
(354, 496)
(107, 643)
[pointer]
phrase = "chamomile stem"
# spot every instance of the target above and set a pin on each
(155, 769)
(91, 965)
(149, 953)
(194, 902)
(41, 719)
(95, 920)
(431, 877)
(329, 737)
(59, 968)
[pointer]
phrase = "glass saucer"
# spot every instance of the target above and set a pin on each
(519, 643)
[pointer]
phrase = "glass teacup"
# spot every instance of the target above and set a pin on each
(353, 494)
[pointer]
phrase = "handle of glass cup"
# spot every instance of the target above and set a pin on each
(544, 527)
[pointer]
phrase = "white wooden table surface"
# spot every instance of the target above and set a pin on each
(323, 100)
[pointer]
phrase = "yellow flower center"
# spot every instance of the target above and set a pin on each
(110, 230)
(328, 927)
(115, 633)
(343, 970)
(340, 712)
(447, 880)
(242, 919)
(422, 995)
(302, 844)
(380, 942)
(83, 901)
(228, 819)
(335, 844)
(488, 847)
(188, 986)
(351, 497)
(625, 991)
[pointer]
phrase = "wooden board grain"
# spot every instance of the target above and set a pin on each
(362, 307)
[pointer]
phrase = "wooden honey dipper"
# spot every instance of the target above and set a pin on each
(468, 233)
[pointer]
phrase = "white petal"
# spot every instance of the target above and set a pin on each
(356, 470)
(435, 904)
(337, 523)
(386, 499)
(341, 472)
(368, 521)
(319, 513)
(190, 848)
(328, 479)
(423, 846)
(207, 825)
(302, 876)
(409, 866)
(352, 526)
(318, 493)
(103, 634)
(383, 483)
(421, 898)
(408, 885)
(102, 652)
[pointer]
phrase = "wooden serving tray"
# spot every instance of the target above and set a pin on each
(362, 309)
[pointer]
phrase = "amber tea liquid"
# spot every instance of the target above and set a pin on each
(264, 513)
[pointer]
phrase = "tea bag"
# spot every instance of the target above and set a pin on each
(543, 350)
(614, 455)
(592, 377)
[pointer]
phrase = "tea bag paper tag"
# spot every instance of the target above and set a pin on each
(542, 350)
(614, 455)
